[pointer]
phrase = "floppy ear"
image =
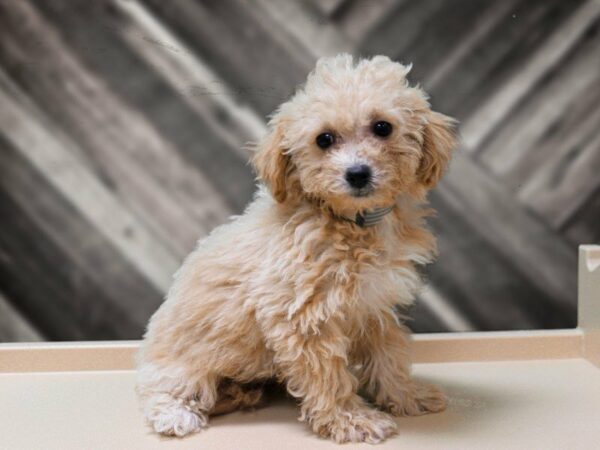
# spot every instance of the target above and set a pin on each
(439, 139)
(271, 163)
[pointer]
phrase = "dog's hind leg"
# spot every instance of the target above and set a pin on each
(232, 396)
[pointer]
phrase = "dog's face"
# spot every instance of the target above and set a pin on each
(355, 137)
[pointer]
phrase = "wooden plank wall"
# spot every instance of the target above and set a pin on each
(123, 123)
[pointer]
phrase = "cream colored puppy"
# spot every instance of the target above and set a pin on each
(301, 288)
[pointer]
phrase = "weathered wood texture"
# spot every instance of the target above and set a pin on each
(123, 124)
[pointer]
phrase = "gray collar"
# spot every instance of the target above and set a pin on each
(369, 218)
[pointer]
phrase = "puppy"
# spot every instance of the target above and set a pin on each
(302, 287)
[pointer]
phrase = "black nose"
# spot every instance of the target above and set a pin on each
(358, 176)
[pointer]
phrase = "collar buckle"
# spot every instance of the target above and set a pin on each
(370, 218)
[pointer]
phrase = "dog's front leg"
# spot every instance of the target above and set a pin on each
(386, 373)
(315, 370)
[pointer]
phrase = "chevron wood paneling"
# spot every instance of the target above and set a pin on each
(123, 125)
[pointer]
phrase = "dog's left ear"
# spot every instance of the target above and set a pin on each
(271, 162)
(439, 140)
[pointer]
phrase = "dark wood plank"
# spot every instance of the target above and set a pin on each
(14, 327)
(582, 227)
(421, 320)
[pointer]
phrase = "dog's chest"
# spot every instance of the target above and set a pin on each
(382, 286)
(383, 275)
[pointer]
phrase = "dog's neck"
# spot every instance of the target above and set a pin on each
(364, 218)
(368, 217)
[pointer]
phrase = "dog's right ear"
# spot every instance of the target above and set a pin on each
(271, 162)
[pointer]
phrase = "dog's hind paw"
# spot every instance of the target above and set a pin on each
(361, 425)
(421, 399)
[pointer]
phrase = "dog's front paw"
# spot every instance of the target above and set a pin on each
(420, 399)
(177, 420)
(359, 425)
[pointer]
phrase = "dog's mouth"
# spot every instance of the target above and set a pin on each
(363, 192)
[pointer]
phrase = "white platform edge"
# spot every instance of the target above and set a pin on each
(427, 348)
(589, 301)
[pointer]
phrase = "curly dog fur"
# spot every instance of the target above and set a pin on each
(293, 291)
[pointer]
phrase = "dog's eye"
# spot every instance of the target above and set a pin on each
(325, 140)
(382, 128)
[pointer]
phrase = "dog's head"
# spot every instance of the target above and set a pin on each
(355, 137)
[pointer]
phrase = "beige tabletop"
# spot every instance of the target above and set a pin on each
(551, 404)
